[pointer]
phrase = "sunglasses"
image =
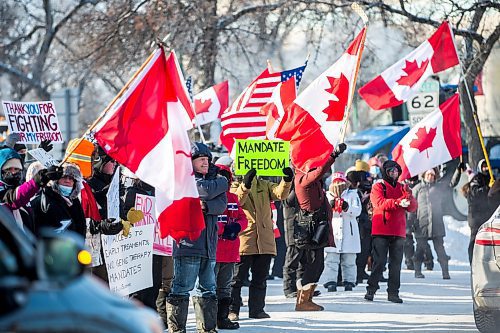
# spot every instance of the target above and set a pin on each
(392, 170)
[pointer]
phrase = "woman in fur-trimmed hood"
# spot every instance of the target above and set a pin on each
(57, 205)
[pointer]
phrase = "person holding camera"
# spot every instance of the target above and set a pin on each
(390, 200)
(312, 229)
(230, 223)
(257, 244)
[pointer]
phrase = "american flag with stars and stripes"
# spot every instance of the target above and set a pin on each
(189, 86)
(242, 120)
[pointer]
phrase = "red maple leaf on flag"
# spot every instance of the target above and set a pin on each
(423, 140)
(340, 88)
(202, 106)
(414, 73)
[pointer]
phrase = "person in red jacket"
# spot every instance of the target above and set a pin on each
(228, 251)
(390, 200)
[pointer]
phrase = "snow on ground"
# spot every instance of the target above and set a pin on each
(430, 305)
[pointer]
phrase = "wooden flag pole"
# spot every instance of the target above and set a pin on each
(103, 113)
(360, 12)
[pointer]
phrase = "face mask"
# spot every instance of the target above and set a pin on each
(65, 190)
(375, 170)
(11, 179)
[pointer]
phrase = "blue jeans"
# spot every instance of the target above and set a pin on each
(186, 270)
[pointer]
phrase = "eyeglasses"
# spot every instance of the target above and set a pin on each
(392, 170)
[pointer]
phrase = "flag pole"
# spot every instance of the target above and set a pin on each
(357, 9)
(197, 124)
(103, 113)
(478, 127)
(474, 114)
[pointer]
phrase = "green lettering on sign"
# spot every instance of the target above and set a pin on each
(268, 157)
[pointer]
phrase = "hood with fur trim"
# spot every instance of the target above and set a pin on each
(72, 170)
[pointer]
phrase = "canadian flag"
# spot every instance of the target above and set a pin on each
(283, 95)
(433, 141)
(210, 103)
(402, 80)
(312, 123)
(157, 103)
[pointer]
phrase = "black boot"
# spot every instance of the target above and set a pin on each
(161, 306)
(331, 286)
(177, 312)
(205, 309)
(369, 295)
(223, 321)
(394, 298)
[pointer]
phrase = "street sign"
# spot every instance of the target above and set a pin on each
(424, 102)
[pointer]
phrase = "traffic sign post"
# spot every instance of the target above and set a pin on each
(424, 102)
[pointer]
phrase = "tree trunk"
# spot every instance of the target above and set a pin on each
(210, 46)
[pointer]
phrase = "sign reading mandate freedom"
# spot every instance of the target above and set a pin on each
(266, 156)
(34, 121)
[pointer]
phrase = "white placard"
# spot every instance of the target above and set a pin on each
(129, 260)
(113, 197)
(34, 121)
(146, 204)
(43, 157)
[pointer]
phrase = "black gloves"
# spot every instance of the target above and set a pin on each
(225, 173)
(106, 227)
(288, 174)
(43, 176)
(345, 206)
(46, 145)
(247, 180)
(231, 231)
(461, 166)
(339, 150)
(212, 171)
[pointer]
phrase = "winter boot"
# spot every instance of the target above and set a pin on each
(444, 269)
(205, 309)
(369, 295)
(304, 298)
(177, 312)
(161, 306)
(223, 321)
(418, 270)
(409, 264)
(394, 298)
(348, 286)
(331, 286)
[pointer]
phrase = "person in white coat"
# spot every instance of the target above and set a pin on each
(346, 206)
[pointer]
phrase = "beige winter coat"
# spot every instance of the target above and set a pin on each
(258, 237)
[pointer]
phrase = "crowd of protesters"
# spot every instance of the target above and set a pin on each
(336, 226)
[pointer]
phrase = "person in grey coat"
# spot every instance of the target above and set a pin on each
(429, 222)
(195, 259)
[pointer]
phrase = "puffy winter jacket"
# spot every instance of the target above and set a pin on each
(389, 219)
(212, 190)
(345, 224)
(429, 220)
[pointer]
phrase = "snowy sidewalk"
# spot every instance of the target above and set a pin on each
(430, 305)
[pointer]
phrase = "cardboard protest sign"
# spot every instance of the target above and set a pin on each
(129, 260)
(113, 197)
(268, 157)
(146, 204)
(43, 157)
(34, 121)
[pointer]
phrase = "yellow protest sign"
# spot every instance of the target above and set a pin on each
(268, 157)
